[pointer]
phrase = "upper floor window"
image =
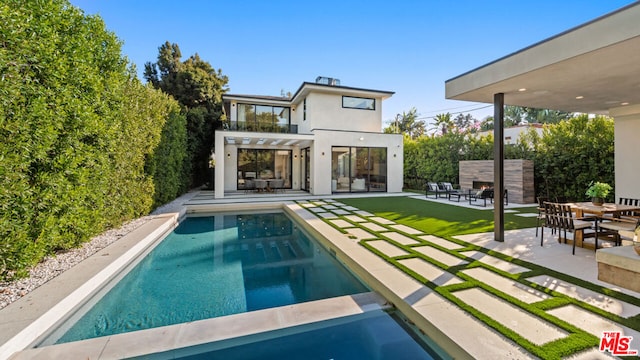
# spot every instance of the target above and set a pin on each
(264, 118)
(358, 103)
(304, 109)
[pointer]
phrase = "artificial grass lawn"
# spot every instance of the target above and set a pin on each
(446, 221)
(439, 219)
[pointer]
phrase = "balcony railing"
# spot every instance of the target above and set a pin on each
(256, 127)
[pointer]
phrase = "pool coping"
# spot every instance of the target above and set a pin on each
(231, 330)
(435, 316)
(25, 321)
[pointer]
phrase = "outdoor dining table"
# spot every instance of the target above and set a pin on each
(588, 208)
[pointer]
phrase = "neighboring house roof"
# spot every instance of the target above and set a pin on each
(590, 69)
(512, 133)
(263, 98)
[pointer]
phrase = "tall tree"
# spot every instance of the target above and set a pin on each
(407, 123)
(443, 123)
(513, 115)
(466, 123)
(198, 87)
(545, 116)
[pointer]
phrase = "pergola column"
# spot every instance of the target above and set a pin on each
(498, 166)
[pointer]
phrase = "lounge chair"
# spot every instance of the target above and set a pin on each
(433, 188)
(483, 195)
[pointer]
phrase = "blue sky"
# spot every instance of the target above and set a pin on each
(409, 47)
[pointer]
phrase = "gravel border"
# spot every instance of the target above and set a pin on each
(54, 265)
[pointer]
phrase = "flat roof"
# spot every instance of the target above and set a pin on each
(592, 68)
(308, 87)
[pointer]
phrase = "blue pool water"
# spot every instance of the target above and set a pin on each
(372, 335)
(215, 266)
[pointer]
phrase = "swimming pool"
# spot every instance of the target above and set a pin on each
(372, 335)
(215, 266)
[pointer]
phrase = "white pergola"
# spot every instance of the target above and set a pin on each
(593, 68)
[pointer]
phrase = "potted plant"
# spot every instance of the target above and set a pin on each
(598, 191)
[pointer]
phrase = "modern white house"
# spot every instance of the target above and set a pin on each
(324, 139)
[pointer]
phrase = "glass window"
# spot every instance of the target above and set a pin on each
(264, 118)
(377, 169)
(358, 169)
(247, 167)
(246, 117)
(358, 103)
(304, 109)
(264, 164)
(340, 169)
(282, 119)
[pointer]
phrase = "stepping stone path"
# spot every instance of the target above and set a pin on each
(406, 229)
(431, 272)
(511, 316)
(400, 238)
(441, 242)
(387, 248)
(354, 218)
(373, 226)
(598, 300)
(495, 262)
(327, 215)
(440, 256)
(381, 220)
(430, 257)
(507, 286)
(341, 223)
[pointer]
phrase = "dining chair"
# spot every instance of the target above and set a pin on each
(619, 228)
(261, 185)
(560, 217)
(249, 185)
(569, 223)
(632, 214)
(541, 213)
(277, 185)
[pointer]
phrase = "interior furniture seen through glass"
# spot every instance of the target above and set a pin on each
(358, 169)
(263, 164)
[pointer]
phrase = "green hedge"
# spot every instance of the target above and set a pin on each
(567, 157)
(78, 133)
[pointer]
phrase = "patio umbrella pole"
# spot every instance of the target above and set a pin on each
(498, 166)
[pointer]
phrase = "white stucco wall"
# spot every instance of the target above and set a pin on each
(321, 164)
(325, 111)
(627, 148)
(513, 133)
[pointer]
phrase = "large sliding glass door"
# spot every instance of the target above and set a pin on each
(340, 169)
(358, 169)
(264, 164)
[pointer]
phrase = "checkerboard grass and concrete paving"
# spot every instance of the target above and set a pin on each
(547, 314)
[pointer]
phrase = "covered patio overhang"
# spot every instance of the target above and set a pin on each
(593, 68)
(225, 140)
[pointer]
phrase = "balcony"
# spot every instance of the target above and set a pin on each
(258, 127)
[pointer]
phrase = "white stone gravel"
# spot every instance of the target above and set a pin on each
(54, 265)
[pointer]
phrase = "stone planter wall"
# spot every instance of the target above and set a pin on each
(518, 177)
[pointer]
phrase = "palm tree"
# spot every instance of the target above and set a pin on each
(443, 123)
(407, 123)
